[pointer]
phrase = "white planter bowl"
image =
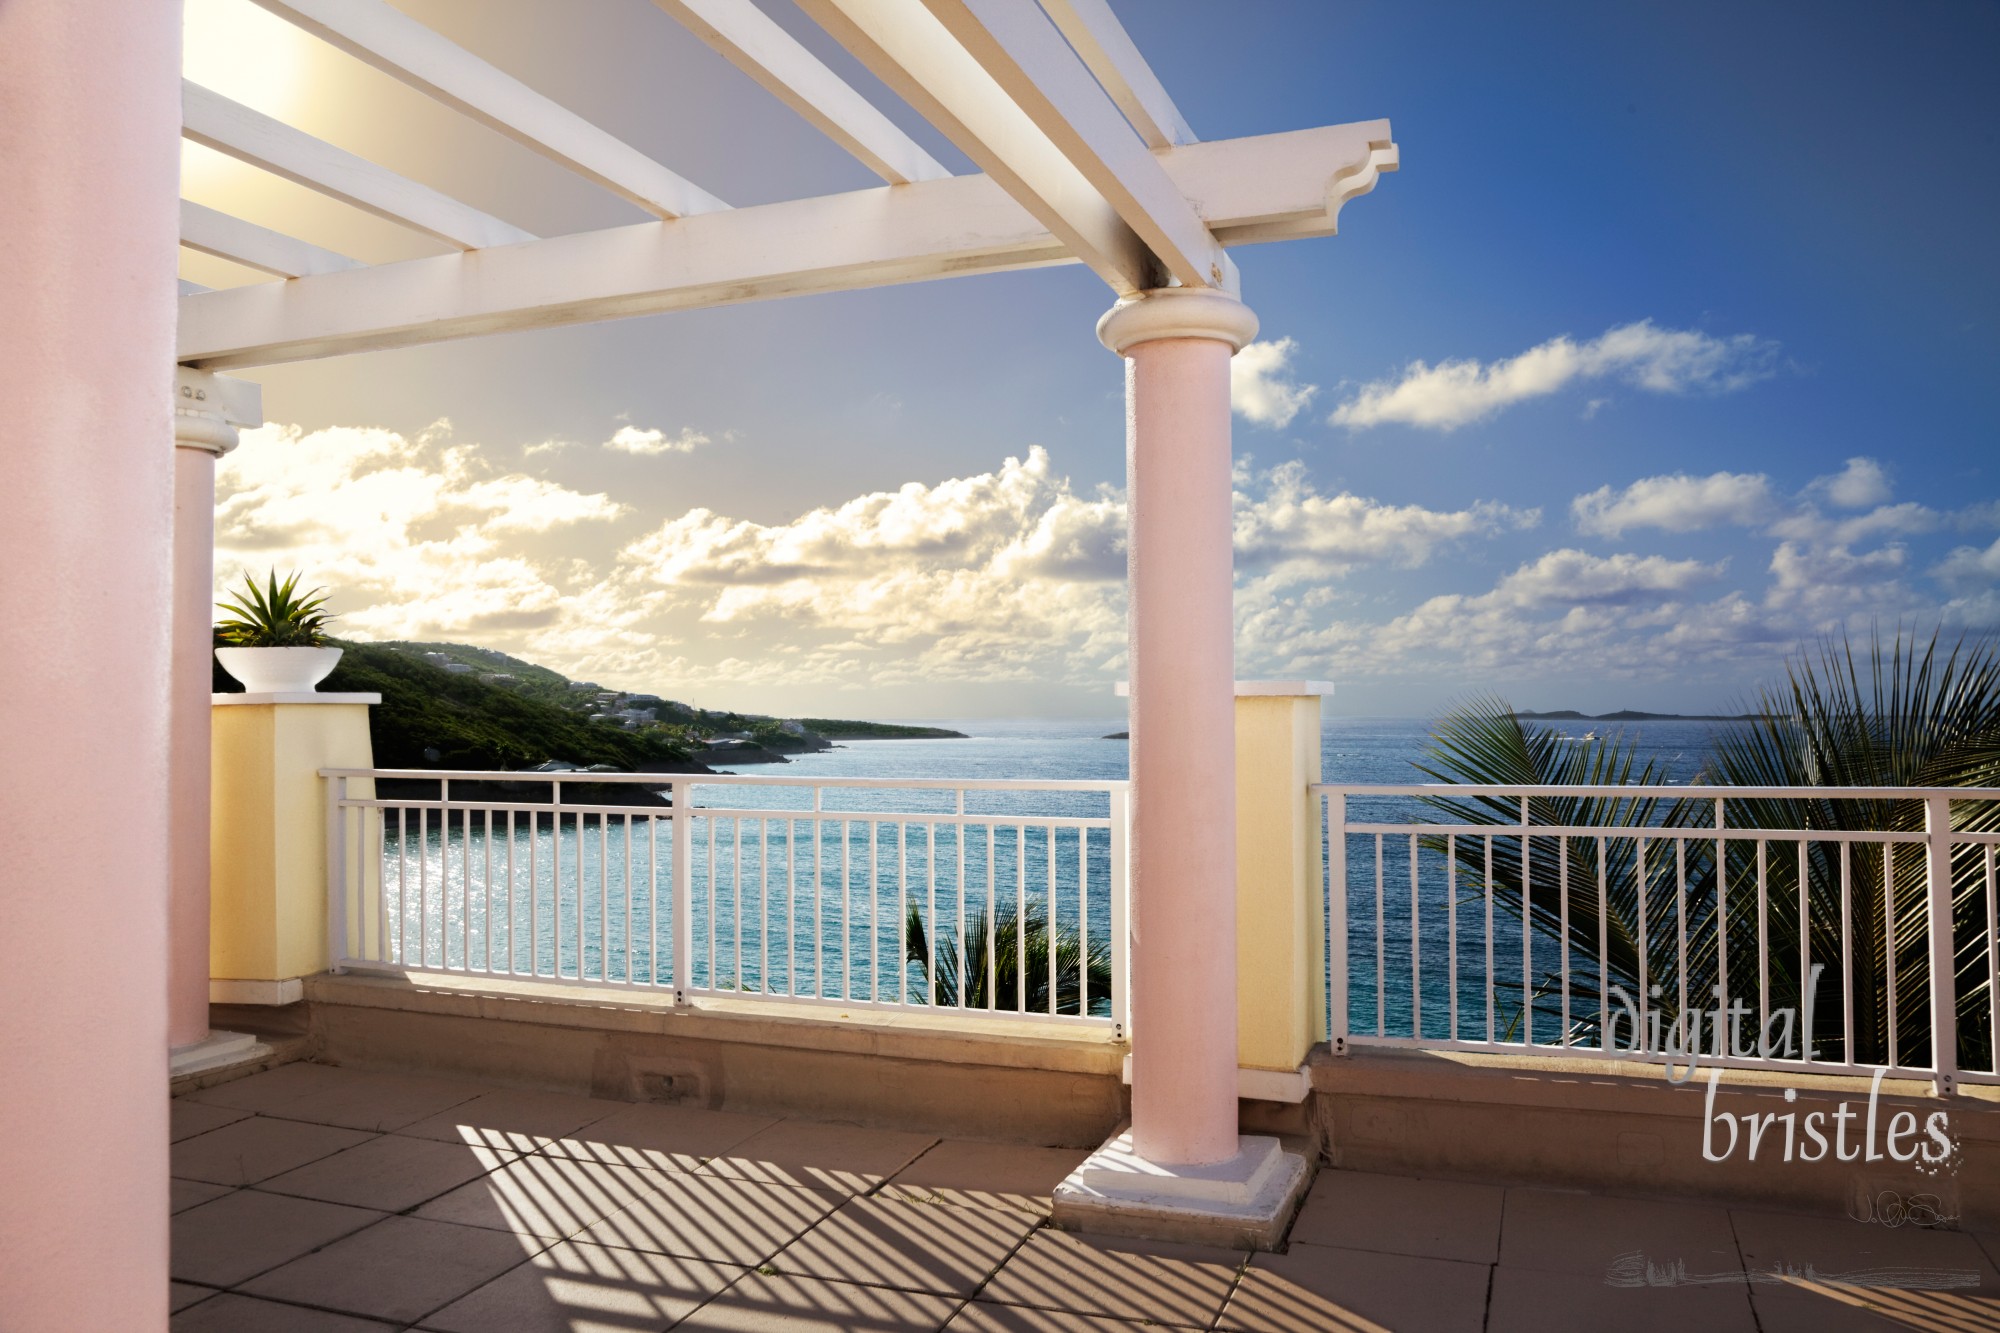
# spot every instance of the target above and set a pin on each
(278, 670)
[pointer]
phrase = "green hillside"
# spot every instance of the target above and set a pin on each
(432, 718)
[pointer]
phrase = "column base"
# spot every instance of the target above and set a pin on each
(1245, 1203)
(214, 1050)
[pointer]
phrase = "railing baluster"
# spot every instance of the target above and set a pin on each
(1763, 944)
(1645, 950)
(1527, 933)
(631, 974)
(1938, 918)
(1053, 1006)
(1381, 945)
(736, 911)
(1416, 949)
(1562, 893)
(1681, 923)
(1805, 952)
(1993, 956)
(603, 897)
(930, 922)
(992, 927)
(1722, 908)
(1451, 928)
(1020, 917)
(1491, 992)
(1889, 941)
(1848, 1052)
(1082, 921)
(1603, 948)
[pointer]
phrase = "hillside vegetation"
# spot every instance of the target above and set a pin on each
(431, 717)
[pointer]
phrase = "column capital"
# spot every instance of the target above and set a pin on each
(209, 409)
(1177, 312)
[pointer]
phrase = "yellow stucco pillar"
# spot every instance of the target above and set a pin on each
(1279, 912)
(267, 836)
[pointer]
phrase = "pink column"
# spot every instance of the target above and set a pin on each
(1183, 860)
(202, 433)
(89, 153)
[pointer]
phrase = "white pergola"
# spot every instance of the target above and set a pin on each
(1085, 159)
(1082, 157)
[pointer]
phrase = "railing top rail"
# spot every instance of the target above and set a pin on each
(1686, 791)
(726, 779)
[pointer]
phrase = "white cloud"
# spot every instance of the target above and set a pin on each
(1574, 578)
(1261, 387)
(1861, 484)
(1970, 571)
(413, 535)
(1290, 521)
(1452, 394)
(1677, 503)
(632, 440)
(1898, 520)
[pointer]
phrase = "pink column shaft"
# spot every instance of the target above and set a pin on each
(1183, 752)
(89, 157)
(193, 685)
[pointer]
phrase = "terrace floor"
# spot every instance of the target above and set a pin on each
(311, 1199)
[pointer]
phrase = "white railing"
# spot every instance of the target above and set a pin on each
(1835, 929)
(840, 891)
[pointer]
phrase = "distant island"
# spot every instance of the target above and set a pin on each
(456, 706)
(1633, 715)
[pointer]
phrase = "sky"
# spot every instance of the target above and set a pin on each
(1669, 349)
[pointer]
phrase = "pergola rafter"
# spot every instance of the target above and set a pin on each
(1085, 159)
(212, 120)
(1244, 190)
(399, 46)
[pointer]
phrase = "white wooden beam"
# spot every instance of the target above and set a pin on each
(904, 45)
(1253, 189)
(1104, 45)
(1018, 46)
(404, 49)
(214, 121)
(753, 42)
(213, 233)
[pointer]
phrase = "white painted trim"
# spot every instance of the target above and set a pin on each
(1284, 688)
(212, 120)
(1103, 44)
(307, 697)
(1177, 312)
(1026, 55)
(213, 1052)
(750, 40)
(223, 990)
(380, 35)
(1257, 1085)
(209, 232)
(866, 238)
(922, 62)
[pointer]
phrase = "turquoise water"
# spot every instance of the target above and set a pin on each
(781, 908)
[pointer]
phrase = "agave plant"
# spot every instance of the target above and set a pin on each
(1019, 956)
(1921, 714)
(276, 615)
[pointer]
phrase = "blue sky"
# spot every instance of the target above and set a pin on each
(1738, 250)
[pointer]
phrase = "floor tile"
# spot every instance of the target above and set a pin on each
(1529, 1300)
(513, 1119)
(180, 1295)
(1833, 1246)
(365, 1099)
(987, 1175)
(185, 1194)
(723, 1221)
(820, 1154)
(576, 1288)
(553, 1198)
(234, 1313)
(233, 1238)
(763, 1304)
(1822, 1307)
(189, 1118)
(661, 1138)
(256, 1149)
(935, 1247)
(1169, 1284)
(1431, 1219)
(1319, 1287)
(979, 1317)
(272, 1088)
(1559, 1232)
(391, 1173)
(400, 1269)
